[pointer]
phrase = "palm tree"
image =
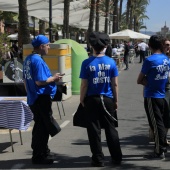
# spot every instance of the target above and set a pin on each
(128, 12)
(115, 16)
(66, 19)
(120, 13)
(91, 18)
(97, 15)
(139, 14)
(105, 8)
(107, 13)
(134, 15)
(24, 32)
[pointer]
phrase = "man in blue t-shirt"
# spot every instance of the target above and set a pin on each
(41, 88)
(153, 76)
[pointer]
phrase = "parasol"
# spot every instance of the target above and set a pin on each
(128, 34)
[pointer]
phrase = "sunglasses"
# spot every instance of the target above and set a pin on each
(167, 45)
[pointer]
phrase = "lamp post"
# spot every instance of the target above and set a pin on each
(50, 20)
(96, 15)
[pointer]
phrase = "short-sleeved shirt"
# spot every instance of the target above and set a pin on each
(35, 69)
(156, 68)
(143, 46)
(99, 71)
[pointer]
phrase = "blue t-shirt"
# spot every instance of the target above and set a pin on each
(156, 68)
(35, 69)
(99, 71)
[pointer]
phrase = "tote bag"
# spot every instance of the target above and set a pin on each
(80, 117)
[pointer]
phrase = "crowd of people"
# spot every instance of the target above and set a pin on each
(99, 87)
(126, 50)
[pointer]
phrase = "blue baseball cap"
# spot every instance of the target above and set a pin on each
(40, 39)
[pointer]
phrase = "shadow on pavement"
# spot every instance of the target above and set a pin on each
(4, 146)
(71, 163)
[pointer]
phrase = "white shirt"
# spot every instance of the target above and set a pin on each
(114, 51)
(143, 46)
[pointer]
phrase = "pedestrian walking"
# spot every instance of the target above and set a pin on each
(99, 96)
(153, 76)
(41, 88)
(126, 54)
(143, 48)
(137, 51)
(108, 51)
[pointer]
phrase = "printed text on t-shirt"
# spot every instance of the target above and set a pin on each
(101, 78)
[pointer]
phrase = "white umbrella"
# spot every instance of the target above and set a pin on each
(128, 34)
(142, 36)
(15, 36)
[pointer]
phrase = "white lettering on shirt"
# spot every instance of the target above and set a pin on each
(101, 75)
(27, 70)
(164, 68)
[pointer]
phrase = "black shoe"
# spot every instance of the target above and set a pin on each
(97, 164)
(126, 69)
(51, 155)
(42, 161)
(155, 156)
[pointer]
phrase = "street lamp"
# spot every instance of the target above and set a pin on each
(50, 20)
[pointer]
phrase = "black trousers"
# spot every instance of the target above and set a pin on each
(42, 112)
(142, 56)
(157, 112)
(98, 118)
(126, 60)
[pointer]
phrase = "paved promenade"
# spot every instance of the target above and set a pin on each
(71, 144)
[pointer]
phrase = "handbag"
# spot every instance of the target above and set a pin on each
(80, 117)
(53, 127)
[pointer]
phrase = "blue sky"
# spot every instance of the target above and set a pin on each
(158, 12)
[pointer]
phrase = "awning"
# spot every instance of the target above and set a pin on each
(40, 9)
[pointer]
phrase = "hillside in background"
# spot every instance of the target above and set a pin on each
(148, 32)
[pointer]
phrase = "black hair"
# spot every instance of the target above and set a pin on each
(98, 48)
(109, 51)
(98, 40)
(156, 42)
